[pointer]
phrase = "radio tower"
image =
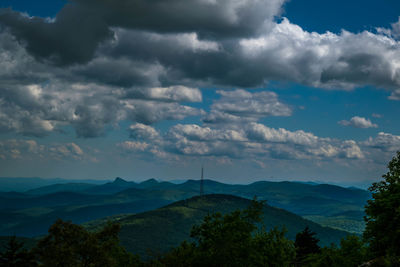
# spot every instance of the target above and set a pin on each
(202, 181)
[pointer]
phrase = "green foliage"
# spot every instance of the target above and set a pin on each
(351, 253)
(15, 255)
(232, 240)
(383, 215)
(306, 244)
(33, 213)
(341, 222)
(272, 249)
(68, 244)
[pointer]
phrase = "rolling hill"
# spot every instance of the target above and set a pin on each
(32, 212)
(156, 231)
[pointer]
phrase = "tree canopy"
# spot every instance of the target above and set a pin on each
(383, 214)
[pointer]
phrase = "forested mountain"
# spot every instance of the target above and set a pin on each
(161, 229)
(30, 213)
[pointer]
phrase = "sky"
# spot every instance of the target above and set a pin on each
(300, 90)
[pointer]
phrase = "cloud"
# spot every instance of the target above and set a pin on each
(81, 25)
(393, 32)
(134, 146)
(325, 60)
(193, 49)
(395, 95)
(384, 141)
(37, 100)
(242, 105)
(376, 115)
(30, 150)
(97, 63)
(169, 94)
(256, 141)
(72, 37)
(141, 131)
(358, 122)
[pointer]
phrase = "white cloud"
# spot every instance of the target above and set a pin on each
(256, 141)
(358, 122)
(141, 131)
(172, 93)
(30, 149)
(393, 32)
(395, 95)
(376, 115)
(134, 146)
(384, 141)
(334, 61)
(241, 105)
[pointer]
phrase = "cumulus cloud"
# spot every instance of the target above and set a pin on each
(100, 62)
(134, 146)
(384, 141)
(30, 149)
(395, 95)
(358, 122)
(82, 25)
(394, 31)
(169, 94)
(36, 100)
(242, 105)
(141, 131)
(256, 141)
(326, 60)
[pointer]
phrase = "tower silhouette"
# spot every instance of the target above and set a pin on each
(202, 181)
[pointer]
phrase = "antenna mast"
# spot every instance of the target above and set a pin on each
(202, 181)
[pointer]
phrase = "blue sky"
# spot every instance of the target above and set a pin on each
(253, 89)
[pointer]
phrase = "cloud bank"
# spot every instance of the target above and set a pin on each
(99, 62)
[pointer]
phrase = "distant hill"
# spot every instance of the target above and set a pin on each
(31, 215)
(21, 184)
(166, 227)
(68, 187)
(335, 206)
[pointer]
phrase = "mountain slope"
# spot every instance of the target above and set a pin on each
(329, 205)
(54, 188)
(166, 227)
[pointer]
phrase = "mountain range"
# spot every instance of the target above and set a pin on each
(31, 212)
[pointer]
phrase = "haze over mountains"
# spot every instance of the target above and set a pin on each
(30, 213)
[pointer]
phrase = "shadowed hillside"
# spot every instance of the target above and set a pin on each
(158, 230)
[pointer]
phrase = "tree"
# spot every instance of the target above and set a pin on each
(15, 255)
(352, 252)
(233, 239)
(382, 218)
(305, 245)
(272, 249)
(68, 244)
(224, 240)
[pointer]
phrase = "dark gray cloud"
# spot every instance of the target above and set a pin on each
(142, 43)
(37, 99)
(100, 62)
(81, 25)
(71, 38)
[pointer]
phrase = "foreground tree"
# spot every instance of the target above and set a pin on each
(382, 218)
(15, 255)
(232, 240)
(306, 244)
(68, 244)
(351, 253)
